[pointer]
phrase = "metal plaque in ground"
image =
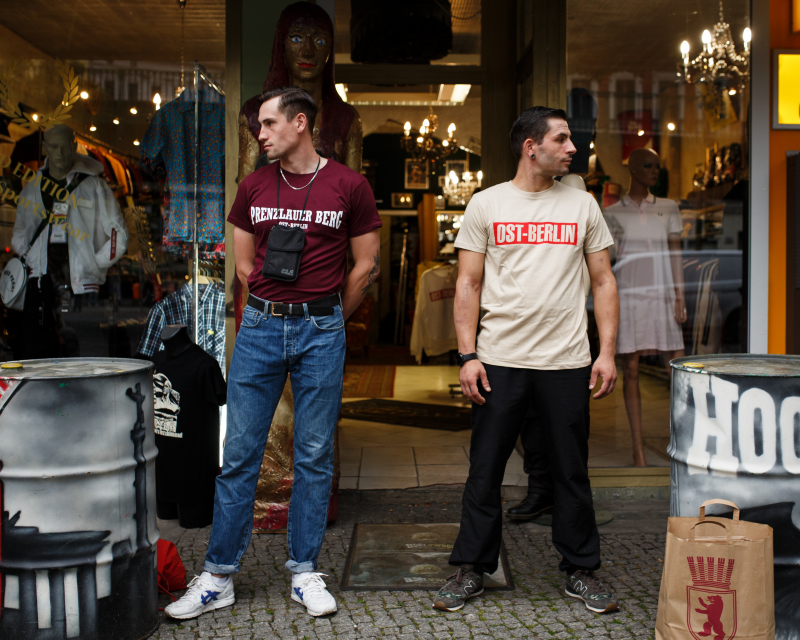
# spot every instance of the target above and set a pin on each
(408, 557)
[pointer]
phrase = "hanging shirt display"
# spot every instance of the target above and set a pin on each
(434, 330)
(188, 389)
(170, 140)
(177, 308)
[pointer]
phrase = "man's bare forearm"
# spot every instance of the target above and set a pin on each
(606, 314)
(359, 281)
(243, 273)
(466, 311)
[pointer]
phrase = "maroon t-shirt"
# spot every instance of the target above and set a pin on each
(340, 206)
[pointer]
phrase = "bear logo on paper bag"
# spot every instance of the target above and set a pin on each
(710, 602)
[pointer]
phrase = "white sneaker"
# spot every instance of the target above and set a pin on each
(203, 595)
(310, 590)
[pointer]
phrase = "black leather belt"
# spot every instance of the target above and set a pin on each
(321, 307)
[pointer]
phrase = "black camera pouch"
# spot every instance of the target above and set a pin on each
(284, 248)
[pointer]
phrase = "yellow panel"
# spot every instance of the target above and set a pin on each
(789, 88)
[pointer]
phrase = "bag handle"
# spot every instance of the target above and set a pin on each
(727, 503)
(724, 525)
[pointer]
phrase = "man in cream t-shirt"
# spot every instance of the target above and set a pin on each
(522, 247)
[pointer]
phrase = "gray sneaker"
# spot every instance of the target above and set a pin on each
(460, 587)
(583, 585)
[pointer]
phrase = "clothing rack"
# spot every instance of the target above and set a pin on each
(82, 137)
(199, 73)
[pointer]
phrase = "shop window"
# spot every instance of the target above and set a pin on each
(111, 264)
(668, 163)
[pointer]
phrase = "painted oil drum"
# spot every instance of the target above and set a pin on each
(77, 489)
(735, 434)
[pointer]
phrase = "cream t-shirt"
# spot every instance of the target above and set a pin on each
(532, 296)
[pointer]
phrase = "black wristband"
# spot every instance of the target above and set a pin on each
(461, 358)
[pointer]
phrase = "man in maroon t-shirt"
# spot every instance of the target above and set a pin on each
(295, 220)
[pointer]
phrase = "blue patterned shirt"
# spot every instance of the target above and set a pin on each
(169, 141)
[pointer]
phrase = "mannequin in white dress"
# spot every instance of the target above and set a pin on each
(649, 272)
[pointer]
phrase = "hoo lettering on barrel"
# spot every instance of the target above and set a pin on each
(757, 448)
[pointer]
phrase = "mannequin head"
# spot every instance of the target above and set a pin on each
(302, 50)
(644, 165)
(307, 47)
(302, 55)
(60, 146)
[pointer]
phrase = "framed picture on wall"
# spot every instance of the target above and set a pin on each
(459, 166)
(416, 176)
(786, 89)
(402, 201)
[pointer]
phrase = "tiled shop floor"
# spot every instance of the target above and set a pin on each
(383, 456)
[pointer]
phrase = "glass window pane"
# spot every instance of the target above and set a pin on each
(666, 156)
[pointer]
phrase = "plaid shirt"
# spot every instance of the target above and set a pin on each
(176, 308)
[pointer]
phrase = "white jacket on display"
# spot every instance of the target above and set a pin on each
(433, 329)
(96, 233)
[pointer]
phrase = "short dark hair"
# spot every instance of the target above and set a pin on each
(533, 123)
(293, 100)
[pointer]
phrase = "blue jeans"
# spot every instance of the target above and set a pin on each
(311, 351)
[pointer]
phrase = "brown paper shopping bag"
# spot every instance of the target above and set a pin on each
(718, 579)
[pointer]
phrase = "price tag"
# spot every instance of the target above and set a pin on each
(59, 234)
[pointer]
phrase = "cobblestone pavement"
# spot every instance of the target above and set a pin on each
(632, 547)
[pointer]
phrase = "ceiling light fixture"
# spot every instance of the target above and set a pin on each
(136, 143)
(84, 95)
(718, 66)
(157, 101)
(426, 148)
(459, 190)
(671, 126)
(134, 111)
(115, 121)
(92, 128)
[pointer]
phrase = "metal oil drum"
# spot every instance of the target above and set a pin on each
(735, 434)
(77, 500)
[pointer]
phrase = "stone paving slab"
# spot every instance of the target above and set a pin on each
(632, 548)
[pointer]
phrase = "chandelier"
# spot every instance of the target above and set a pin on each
(425, 148)
(459, 192)
(718, 66)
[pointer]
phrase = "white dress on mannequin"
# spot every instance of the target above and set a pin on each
(644, 273)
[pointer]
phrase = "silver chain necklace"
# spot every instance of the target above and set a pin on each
(303, 187)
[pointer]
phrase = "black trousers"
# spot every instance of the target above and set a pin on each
(560, 400)
(39, 328)
(190, 515)
(536, 462)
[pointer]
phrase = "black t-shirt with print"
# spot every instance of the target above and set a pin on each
(188, 391)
